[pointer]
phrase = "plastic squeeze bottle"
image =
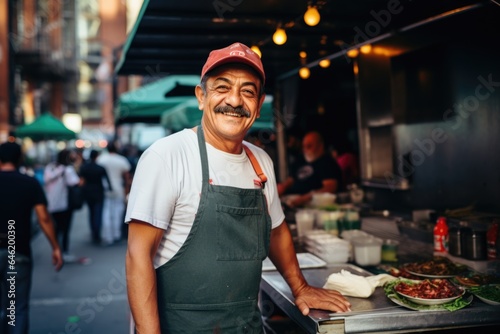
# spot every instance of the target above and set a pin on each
(491, 239)
(441, 236)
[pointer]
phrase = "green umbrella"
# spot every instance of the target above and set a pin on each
(147, 103)
(45, 127)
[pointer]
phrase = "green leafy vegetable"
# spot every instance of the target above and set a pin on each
(490, 292)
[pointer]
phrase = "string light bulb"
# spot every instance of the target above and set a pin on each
(256, 49)
(353, 53)
(304, 72)
(366, 48)
(311, 16)
(279, 36)
(324, 63)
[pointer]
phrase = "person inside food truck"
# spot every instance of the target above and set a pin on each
(204, 212)
(317, 172)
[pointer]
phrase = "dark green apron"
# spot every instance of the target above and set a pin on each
(211, 285)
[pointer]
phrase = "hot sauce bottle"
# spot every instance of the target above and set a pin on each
(491, 239)
(441, 236)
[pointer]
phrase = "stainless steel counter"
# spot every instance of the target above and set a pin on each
(376, 314)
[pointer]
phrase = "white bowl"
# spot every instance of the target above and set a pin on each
(425, 301)
(323, 199)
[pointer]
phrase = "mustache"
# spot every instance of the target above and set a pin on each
(238, 110)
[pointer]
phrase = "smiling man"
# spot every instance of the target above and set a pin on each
(204, 212)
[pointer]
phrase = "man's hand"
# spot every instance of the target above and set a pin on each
(282, 254)
(57, 259)
(301, 200)
(317, 298)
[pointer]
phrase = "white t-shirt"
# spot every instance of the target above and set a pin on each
(167, 185)
(116, 166)
(57, 178)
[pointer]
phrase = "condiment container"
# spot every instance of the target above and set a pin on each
(328, 220)
(441, 236)
(455, 241)
(304, 219)
(390, 250)
(491, 239)
(351, 221)
(474, 244)
(367, 250)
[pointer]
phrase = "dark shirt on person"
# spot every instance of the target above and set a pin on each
(19, 194)
(309, 176)
(94, 175)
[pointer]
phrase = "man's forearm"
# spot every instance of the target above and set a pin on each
(141, 289)
(282, 254)
(46, 225)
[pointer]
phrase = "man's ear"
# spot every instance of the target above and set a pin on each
(261, 102)
(200, 96)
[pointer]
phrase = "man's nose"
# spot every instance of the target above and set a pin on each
(234, 99)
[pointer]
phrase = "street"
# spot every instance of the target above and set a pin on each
(85, 297)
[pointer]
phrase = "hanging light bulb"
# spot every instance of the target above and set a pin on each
(366, 48)
(311, 16)
(355, 68)
(303, 54)
(353, 53)
(304, 72)
(256, 49)
(324, 63)
(279, 36)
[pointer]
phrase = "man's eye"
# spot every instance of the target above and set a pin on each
(222, 88)
(248, 92)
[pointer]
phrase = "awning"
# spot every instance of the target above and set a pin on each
(187, 114)
(45, 127)
(147, 103)
(175, 37)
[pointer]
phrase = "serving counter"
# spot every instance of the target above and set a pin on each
(376, 314)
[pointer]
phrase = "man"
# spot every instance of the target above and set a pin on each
(118, 170)
(317, 172)
(201, 213)
(20, 194)
(94, 177)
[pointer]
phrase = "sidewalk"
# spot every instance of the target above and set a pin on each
(81, 298)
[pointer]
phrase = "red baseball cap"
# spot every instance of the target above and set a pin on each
(234, 53)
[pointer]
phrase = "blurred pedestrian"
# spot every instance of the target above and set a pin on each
(58, 176)
(118, 170)
(94, 177)
(19, 196)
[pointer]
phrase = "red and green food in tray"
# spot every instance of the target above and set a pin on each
(436, 267)
(429, 289)
(443, 294)
(474, 279)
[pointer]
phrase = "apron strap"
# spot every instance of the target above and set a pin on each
(256, 165)
(203, 155)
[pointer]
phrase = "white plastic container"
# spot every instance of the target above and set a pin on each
(333, 250)
(304, 219)
(367, 250)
